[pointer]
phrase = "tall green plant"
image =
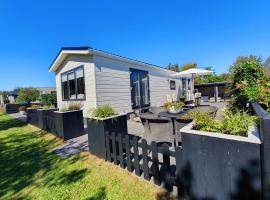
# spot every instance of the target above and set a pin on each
(246, 72)
(48, 99)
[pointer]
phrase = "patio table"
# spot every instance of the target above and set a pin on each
(183, 115)
(174, 117)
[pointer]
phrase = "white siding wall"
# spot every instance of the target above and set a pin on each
(113, 84)
(89, 72)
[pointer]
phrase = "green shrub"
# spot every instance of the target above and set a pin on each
(175, 105)
(246, 72)
(48, 99)
(22, 108)
(102, 112)
(204, 122)
(35, 106)
(27, 95)
(232, 123)
(236, 123)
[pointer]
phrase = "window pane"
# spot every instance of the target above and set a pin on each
(64, 87)
(71, 81)
(80, 84)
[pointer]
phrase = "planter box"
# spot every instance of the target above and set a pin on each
(41, 114)
(219, 166)
(12, 108)
(96, 132)
(69, 124)
(32, 116)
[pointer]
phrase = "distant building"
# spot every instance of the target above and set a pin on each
(46, 90)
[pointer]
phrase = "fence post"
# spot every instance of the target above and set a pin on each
(265, 131)
(129, 168)
(145, 160)
(120, 146)
(166, 167)
(155, 165)
(108, 146)
(136, 156)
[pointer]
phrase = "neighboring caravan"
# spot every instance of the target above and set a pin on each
(95, 78)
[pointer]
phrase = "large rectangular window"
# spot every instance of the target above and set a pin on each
(73, 84)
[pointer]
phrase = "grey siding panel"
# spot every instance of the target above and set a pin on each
(113, 84)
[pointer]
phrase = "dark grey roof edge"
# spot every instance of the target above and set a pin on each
(215, 83)
(90, 48)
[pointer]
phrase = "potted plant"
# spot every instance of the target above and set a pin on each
(103, 119)
(228, 148)
(182, 98)
(174, 107)
(22, 110)
(69, 121)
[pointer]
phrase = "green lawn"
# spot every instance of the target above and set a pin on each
(30, 170)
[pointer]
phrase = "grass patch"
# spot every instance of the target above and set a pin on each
(31, 170)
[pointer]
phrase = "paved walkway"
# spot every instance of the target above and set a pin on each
(18, 116)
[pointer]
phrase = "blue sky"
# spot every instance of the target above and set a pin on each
(209, 32)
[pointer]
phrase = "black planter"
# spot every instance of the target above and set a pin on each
(69, 124)
(12, 108)
(32, 116)
(42, 116)
(217, 168)
(96, 132)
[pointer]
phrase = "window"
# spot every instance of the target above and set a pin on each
(73, 84)
(172, 85)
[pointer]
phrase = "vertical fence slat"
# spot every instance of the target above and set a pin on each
(129, 168)
(120, 146)
(114, 148)
(136, 156)
(166, 173)
(145, 160)
(108, 149)
(155, 165)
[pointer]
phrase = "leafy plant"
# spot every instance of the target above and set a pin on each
(204, 122)
(74, 106)
(35, 106)
(48, 99)
(27, 95)
(174, 105)
(232, 123)
(236, 123)
(246, 72)
(102, 112)
(22, 108)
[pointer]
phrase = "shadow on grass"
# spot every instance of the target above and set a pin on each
(101, 194)
(26, 155)
(10, 123)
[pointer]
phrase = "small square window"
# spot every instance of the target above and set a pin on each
(172, 85)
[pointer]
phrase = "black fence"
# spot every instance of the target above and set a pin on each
(264, 127)
(151, 161)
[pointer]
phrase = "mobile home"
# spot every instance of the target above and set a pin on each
(94, 78)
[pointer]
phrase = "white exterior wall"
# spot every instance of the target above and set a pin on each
(107, 81)
(70, 63)
(113, 84)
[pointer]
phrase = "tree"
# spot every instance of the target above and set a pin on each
(188, 66)
(27, 95)
(173, 67)
(247, 78)
(48, 99)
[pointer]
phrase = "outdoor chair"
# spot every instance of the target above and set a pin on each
(178, 124)
(156, 129)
